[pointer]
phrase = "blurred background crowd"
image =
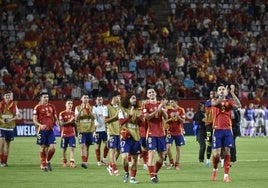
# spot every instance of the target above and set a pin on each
(182, 48)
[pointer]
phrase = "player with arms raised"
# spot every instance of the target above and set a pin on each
(222, 124)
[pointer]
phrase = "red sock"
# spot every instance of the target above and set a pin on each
(64, 160)
(84, 159)
(4, 158)
(97, 152)
(126, 167)
(105, 151)
(215, 161)
(151, 170)
(43, 158)
(171, 161)
(158, 165)
(226, 165)
(50, 154)
(114, 166)
(133, 172)
(1, 158)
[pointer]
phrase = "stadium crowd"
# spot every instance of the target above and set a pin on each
(87, 46)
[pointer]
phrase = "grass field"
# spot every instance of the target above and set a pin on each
(251, 169)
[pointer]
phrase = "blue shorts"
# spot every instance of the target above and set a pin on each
(222, 138)
(101, 137)
(143, 142)
(179, 140)
(130, 146)
(7, 134)
(114, 142)
(86, 138)
(68, 141)
(156, 143)
(46, 137)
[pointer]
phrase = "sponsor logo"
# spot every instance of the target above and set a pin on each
(26, 115)
(25, 130)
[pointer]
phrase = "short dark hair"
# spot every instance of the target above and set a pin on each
(84, 93)
(172, 97)
(68, 99)
(200, 104)
(219, 85)
(113, 94)
(98, 95)
(43, 92)
(7, 92)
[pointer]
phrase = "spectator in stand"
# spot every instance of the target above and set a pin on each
(165, 66)
(179, 74)
(88, 85)
(132, 66)
(67, 90)
(252, 82)
(29, 93)
(76, 92)
(215, 38)
(211, 79)
(234, 39)
(95, 86)
(205, 90)
(188, 84)
(116, 29)
(15, 90)
(7, 78)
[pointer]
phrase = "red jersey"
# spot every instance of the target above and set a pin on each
(143, 128)
(175, 127)
(221, 115)
(67, 129)
(155, 124)
(45, 114)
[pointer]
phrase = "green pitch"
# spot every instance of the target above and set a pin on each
(251, 169)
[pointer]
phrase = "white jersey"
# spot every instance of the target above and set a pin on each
(260, 114)
(101, 113)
